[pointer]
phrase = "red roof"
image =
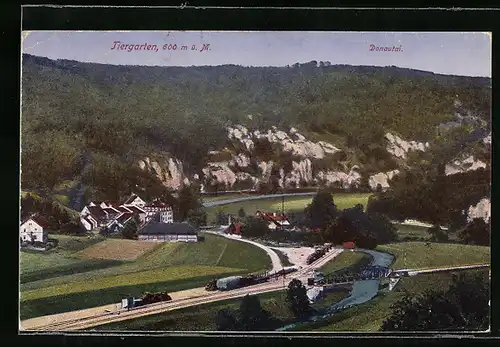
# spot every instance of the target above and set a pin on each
(349, 244)
(96, 212)
(234, 228)
(112, 203)
(110, 210)
(40, 220)
(123, 209)
(135, 209)
(271, 216)
(124, 217)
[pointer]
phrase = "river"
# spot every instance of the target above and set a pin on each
(361, 292)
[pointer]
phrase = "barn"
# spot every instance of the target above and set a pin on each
(168, 232)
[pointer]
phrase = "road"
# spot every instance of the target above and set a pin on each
(257, 197)
(446, 269)
(93, 317)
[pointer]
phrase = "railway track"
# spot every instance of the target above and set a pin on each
(151, 309)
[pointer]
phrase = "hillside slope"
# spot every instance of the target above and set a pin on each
(233, 127)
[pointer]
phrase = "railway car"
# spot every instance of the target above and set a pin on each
(229, 283)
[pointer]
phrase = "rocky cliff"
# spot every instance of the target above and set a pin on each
(291, 161)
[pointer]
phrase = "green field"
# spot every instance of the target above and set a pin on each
(417, 233)
(298, 203)
(202, 317)
(171, 267)
(369, 317)
(415, 255)
(346, 259)
(60, 260)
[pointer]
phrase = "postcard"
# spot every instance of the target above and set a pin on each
(250, 181)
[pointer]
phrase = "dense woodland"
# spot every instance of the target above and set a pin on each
(118, 113)
(437, 199)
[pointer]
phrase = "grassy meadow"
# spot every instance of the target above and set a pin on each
(415, 255)
(345, 259)
(170, 267)
(297, 203)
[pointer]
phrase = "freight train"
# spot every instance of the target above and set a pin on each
(234, 282)
(145, 299)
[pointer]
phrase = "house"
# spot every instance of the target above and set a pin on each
(160, 208)
(138, 211)
(168, 232)
(105, 204)
(33, 230)
(134, 200)
(111, 212)
(123, 209)
(233, 228)
(275, 220)
(93, 217)
(117, 224)
(89, 223)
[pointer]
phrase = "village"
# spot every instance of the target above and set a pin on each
(151, 221)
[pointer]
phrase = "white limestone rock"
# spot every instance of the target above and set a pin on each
(347, 180)
(481, 210)
(382, 178)
(463, 165)
(399, 147)
(169, 171)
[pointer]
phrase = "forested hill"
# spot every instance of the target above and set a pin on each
(121, 113)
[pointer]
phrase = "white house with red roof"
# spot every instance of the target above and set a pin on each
(134, 200)
(112, 215)
(33, 230)
(275, 220)
(160, 208)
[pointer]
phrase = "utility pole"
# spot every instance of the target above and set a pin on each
(283, 205)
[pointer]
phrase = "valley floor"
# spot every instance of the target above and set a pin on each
(64, 280)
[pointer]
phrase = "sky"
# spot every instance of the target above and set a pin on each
(452, 53)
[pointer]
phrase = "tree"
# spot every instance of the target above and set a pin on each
(221, 218)
(189, 199)
(254, 227)
(252, 316)
(463, 306)
(437, 234)
(129, 230)
(322, 211)
(241, 212)
(297, 300)
(477, 232)
(197, 217)
(226, 320)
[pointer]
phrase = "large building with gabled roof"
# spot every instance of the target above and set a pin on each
(168, 232)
